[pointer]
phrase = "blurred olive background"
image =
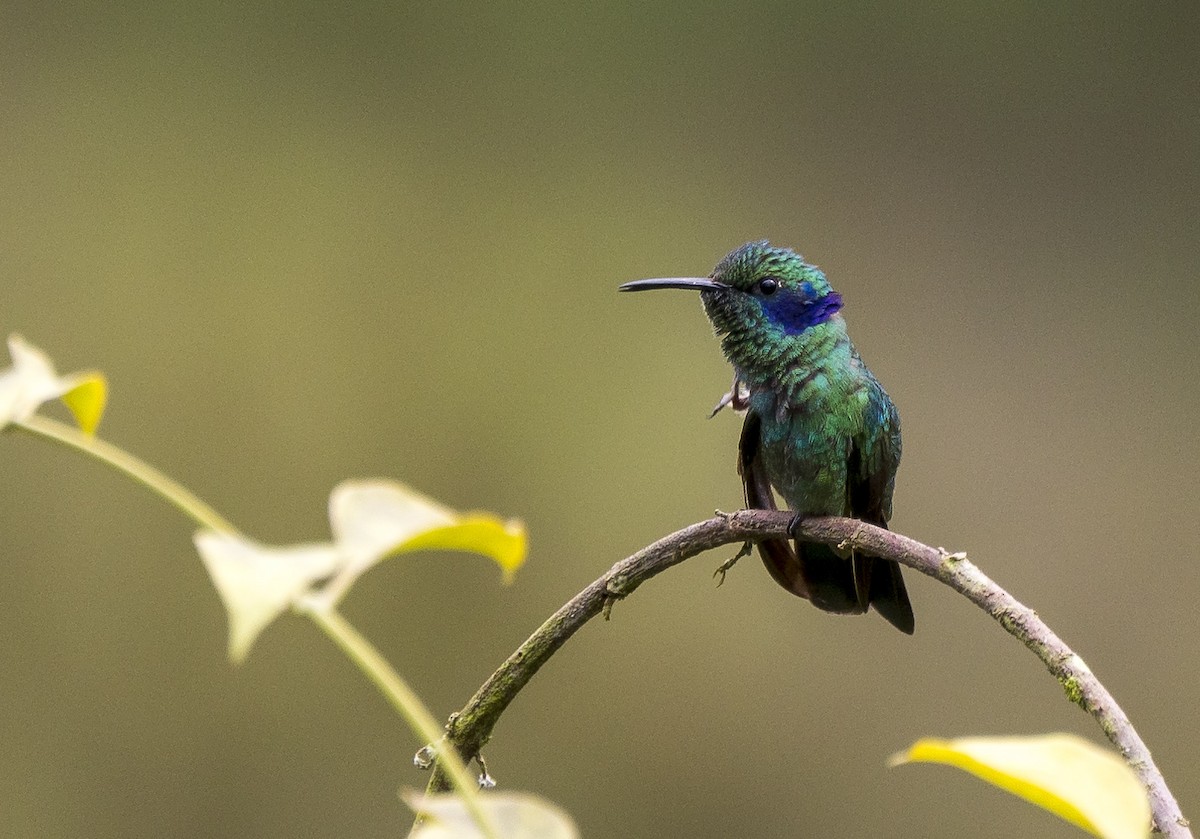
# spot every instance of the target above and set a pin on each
(315, 241)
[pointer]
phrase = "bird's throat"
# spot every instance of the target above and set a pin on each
(779, 362)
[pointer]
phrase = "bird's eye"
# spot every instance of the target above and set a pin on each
(768, 285)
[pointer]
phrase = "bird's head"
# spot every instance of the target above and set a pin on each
(759, 298)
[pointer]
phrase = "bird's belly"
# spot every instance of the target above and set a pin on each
(808, 472)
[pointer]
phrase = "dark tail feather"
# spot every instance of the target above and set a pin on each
(816, 573)
(828, 579)
(889, 596)
(785, 569)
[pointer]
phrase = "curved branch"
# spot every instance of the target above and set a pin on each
(471, 728)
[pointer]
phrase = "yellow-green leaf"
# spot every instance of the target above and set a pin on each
(32, 381)
(504, 541)
(1071, 777)
(86, 400)
(374, 519)
(516, 816)
(370, 520)
(370, 517)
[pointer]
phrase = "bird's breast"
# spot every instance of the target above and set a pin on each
(805, 455)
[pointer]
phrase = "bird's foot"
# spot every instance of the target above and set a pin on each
(729, 563)
(725, 400)
(793, 524)
(738, 396)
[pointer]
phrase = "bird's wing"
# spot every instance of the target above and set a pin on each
(870, 479)
(777, 554)
(874, 459)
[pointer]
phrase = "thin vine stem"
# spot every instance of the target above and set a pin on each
(406, 703)
(174, 493)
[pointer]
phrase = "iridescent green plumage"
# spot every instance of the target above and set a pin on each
(819, 427)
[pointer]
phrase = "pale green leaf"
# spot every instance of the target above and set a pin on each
(516, 816)
(32, 381)
(370, 520)
(257, 583)
(370, 517)
(374, 519)
(1071, 777)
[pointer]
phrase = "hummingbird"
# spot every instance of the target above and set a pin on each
(819, 428)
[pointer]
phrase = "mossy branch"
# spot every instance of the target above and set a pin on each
(471, 728)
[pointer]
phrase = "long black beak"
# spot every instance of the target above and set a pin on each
(695, 283)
